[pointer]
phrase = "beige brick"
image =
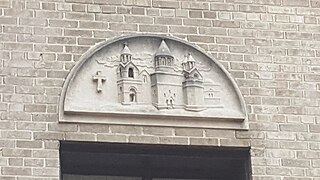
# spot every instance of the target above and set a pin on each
(298, 3)
(93, 128)
(107, 9)
(8, 20)
(52, 163)
(29, 144)
(165, 4)
(62, 127)
(63, 23)
(158, 131)
(315, 3)
(111, 138)
(168, 21)
(185, 29)
(124, 27)
(15, 161)
(195, 14)
(110, 2)
(138, 10)
(252, 8)
(197, 22)
(80, 136)
(204, 142)
(144, 139)
(228, 40)
(195, 5)
(16, 171)
(16, 153)
(78, 7)
(255, 25)
(48, 48)
(138, 2)
(234, 143)
(48, 135)
(139, 19)
(89, 41)
(189, 132)
(76, 49)
(126, 129)
(153, 28)
(212, 31)
(243, 49)
(258, 42)
(78, 33)
(174, 140)
(201, 38)
(293, 127)
(280, 153)
(280, 10)
(223, 7)
(293, 145)
(45, 172)
(307, 154)
(226, 24)
(32, 162)
(35, 108)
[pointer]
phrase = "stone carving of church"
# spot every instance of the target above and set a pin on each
(164, 88)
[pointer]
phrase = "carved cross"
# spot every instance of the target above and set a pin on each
(100, 79)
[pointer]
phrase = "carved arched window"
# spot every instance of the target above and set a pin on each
(133, 95)
(130, 73)
(145, 80)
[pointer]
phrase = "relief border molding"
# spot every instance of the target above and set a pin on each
(143, 119)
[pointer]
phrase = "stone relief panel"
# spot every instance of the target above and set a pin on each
(151, 80)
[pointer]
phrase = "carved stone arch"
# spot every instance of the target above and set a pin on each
(79, 101)
(131, 72)
(132, 94)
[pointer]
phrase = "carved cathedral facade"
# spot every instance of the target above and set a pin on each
(165, 87)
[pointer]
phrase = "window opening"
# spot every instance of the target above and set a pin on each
(130, 73)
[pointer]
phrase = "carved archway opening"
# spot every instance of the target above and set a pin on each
(132, 95)
(201, 92)
(131, 73)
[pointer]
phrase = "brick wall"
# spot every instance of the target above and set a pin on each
(271, 48)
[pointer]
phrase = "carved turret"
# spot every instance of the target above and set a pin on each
(126, 55)
(192, 85)
(129, 84)
(163, 57)
(189, 63)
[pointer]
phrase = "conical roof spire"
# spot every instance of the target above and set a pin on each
(185, 60)
(190, 58)
(163, 50)
(126, 49)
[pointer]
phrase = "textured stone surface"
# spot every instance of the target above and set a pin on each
(150, 75)
(270, 47)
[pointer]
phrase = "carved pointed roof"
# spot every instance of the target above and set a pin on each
(126, 49)
(163, 50)
(195, 70)
(128, 65)
(185, 60)
(190, 58)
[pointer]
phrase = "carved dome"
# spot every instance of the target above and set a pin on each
(126, 50)
(163, 50)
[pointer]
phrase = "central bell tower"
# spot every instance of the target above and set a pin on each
(165, 86)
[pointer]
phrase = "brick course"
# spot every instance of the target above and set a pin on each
(270, 47)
